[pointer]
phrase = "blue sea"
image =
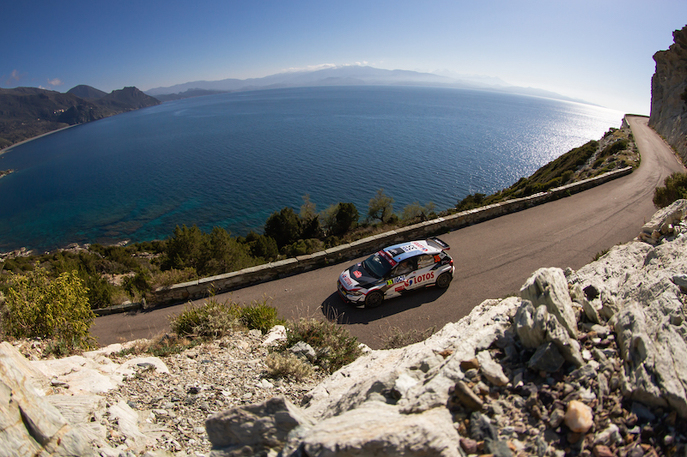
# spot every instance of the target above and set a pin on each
(231, 160)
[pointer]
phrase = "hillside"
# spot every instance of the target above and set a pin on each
(26, 112)
(669, 94)
(87, 92)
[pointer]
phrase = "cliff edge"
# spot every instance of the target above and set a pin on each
(669, 94)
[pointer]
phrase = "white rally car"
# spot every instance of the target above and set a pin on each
(396, 270)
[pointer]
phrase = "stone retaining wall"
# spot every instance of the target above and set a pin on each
(200, 288)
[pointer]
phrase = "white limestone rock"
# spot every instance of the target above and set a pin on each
(380, 429)
(549, 287)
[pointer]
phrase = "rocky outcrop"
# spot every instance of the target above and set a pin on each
(584, 362)
(669, 94)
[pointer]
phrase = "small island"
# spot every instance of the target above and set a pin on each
(5, 172)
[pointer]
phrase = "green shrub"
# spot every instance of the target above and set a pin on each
(38, 307)
(473, 201)
(212, 319)
(415, 212)
(282, 365)
(262, 246)
(380, 207)
(258, 315)
(334, 345)
(303, 247)
(566, 176)
(675, 188)
(345, 219)
(283, 226)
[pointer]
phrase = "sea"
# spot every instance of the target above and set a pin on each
(231, 160)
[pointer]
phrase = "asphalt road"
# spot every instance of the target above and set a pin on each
(493, 259)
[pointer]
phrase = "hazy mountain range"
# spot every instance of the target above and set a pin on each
(349, 76)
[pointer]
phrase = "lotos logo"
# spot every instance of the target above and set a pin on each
(357, 274)
(425, 277)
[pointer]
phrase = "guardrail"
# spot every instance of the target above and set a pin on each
(274, 270)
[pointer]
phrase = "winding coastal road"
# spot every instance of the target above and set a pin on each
(493, 259)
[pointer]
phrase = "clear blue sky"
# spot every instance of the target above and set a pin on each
(597, 50)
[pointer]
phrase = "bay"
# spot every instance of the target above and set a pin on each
(231, 160)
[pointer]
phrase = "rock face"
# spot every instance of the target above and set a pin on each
(669, 94)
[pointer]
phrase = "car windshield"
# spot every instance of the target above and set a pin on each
(377, 265)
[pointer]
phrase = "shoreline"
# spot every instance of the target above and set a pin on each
(9, 148)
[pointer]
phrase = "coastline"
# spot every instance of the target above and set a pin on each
(9, 148)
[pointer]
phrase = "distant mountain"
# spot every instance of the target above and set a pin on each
(188, 94)
(26, 112)
(127, 99)
(87, 92)
(355, 75)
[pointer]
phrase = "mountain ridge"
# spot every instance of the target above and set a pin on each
(355, 75)
(27, 112)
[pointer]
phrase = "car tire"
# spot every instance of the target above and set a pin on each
(374, 299)
(444, 280)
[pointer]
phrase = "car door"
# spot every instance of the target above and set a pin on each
(402, 277)
(425, 273)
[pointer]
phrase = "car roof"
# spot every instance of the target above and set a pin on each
(402, 251)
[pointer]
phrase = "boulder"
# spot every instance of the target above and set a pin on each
(260, 426)
(376, 428)
(549, 287)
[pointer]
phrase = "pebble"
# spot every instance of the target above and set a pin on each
(578, 417)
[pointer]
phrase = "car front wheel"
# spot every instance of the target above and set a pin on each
(374, 299)
(444, 280)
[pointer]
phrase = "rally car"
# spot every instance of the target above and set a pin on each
(396, 270)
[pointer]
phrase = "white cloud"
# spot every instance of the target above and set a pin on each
(55, 82)
(15, 76)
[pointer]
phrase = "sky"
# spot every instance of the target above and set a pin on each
(599, 51)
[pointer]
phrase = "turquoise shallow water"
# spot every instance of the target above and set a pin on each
(232, 160)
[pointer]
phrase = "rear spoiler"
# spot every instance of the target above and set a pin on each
(438, 243)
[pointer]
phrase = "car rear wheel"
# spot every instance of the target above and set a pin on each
(444, 280)
(374, 299)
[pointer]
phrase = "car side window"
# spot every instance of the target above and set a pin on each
(404, 267)
(425, 261)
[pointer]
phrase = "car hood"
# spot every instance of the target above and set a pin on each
(357, 276)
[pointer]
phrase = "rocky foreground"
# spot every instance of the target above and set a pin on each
(587, 362)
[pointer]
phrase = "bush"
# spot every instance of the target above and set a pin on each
(258, 315)
(414, 212)
(184, 249)
(303, 247)
(472, 201)
(283, 226)
(381, 207)
(37, 307)
(334, 345)
(345, 219)
(287, 365)
(212, 319)
(675, 189)
(262, 246)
